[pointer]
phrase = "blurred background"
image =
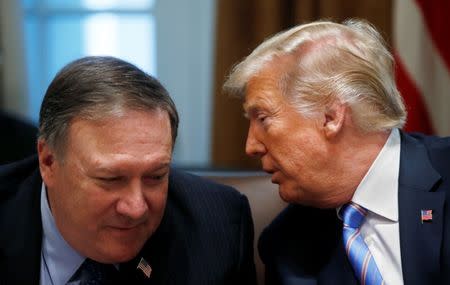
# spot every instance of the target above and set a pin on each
(191, 45)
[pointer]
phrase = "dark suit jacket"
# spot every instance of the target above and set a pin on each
(303, 245)
(205, 237)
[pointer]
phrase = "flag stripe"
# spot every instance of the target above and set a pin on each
(423, 63)
(418, 117)
(435, 14)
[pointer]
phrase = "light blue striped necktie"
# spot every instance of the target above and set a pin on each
(357, 251)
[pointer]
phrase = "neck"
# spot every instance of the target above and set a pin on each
(355, 154)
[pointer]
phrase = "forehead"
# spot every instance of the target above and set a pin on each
(265, 89)
(131, 134)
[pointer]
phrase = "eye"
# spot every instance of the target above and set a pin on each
(109, 178)
(158, 177)
(261, 118)
(154, 178)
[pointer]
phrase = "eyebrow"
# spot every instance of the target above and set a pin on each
(251, 106)
(113, 170)
(162, 166)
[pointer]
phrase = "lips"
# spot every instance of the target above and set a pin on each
(274, 178)
(268, 170)
(271, 170)
(123, 230)
(274, 173)
(126, 228)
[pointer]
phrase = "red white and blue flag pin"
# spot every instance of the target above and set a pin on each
(144, 267)
(426, 216)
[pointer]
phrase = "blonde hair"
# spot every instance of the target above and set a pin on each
(348, 62)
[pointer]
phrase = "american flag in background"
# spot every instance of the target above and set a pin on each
(422, 53)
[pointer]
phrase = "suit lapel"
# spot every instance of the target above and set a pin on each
(419, 242)
(22, 247)
(337, 270)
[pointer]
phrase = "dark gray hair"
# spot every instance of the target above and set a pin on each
(96, 87)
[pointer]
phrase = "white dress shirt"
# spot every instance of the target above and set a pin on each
(378, 193)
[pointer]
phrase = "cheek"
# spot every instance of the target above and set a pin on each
(75, 187)
(303, 163)
(156, 200)
(92, 205)
(289, 156)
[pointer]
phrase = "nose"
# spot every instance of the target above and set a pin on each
(253, 146)
(133, 204)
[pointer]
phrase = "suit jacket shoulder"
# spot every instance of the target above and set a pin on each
(437, 148)
(205, 201)
(20, 222)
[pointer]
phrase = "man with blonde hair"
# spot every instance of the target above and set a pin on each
(368, 201)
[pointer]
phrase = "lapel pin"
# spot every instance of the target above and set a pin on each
(426, 216)
(144, 267)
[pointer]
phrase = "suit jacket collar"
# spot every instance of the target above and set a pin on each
(419, 242)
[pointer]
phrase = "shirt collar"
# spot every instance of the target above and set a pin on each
(378, 190)
(61, 259)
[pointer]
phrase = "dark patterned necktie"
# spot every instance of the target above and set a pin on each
(358, 253)
(94, 273)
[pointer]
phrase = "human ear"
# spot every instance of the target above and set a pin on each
(334, 117)
(47, 162)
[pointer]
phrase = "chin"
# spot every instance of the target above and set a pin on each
(119, 251)
(296, 195)
(288, 195)
(119, 255)
(125, 256)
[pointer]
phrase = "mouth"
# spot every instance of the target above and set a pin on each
(127, 228)
(274, 178)
(124, 230)
(273, 172)
(268, 170)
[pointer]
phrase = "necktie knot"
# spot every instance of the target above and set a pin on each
(352, 215)
(94, 273)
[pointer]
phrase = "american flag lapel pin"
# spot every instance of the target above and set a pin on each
(426, 216)
(144, 267)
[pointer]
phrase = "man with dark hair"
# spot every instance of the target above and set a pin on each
(101, 203)
(368, 201)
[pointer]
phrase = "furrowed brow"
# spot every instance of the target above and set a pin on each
(250, 108)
